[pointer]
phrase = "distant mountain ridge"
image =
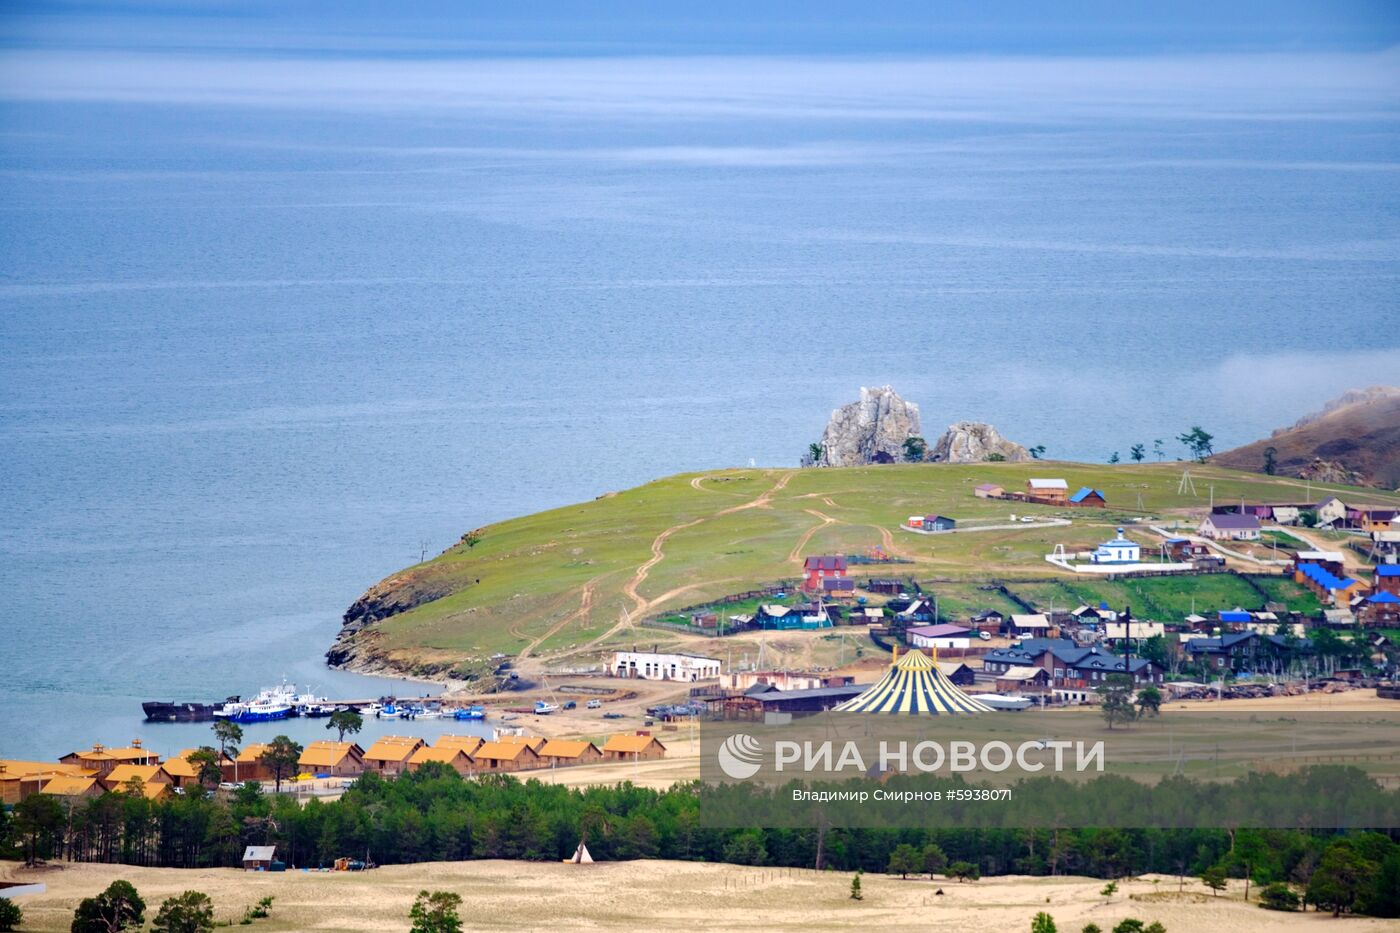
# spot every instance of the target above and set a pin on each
(1353, 439)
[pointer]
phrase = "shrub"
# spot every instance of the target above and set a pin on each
(1042, 923)
(1278, 896)
(190, 912)
(1130, 925)
(10, 914)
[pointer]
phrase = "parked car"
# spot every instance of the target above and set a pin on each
(570, 704)
(595, 704)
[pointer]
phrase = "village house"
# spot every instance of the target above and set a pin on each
(945, 635)
(120, 777)
(1230, 652)
(816, 569)
(886, 586)
(1070, 666)
(989, 491)
(1329, 588)
(1023, 680)
(1049, 491)
(958, 672)
(1087, 498)
(838, 587)
(505, 756)
(467, 743)
(1379, 610)
(73, 787)
(783, 680)
(1331, 511)
(652, 665)
(19, 779)
(638, 747)
(562, 753)
(1027, 625)
(248, 765)
(1229, 526)
(1114, 632)
(987, 620)
(918, 610)
(1371, 520)
(1387, 579)
(389, 755)
(938, 523)
(260, 858)
(451, 755)
(102, 759)
(535, 742)
(1330, 561)
(336, 759)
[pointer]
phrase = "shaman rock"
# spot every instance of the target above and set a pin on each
(872, 430)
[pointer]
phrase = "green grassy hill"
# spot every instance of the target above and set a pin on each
(577, 578)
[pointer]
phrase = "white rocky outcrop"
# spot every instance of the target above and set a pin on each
(975, 442)
(863, 431)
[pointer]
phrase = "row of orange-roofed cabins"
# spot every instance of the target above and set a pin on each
(469, 754)
(97, 770)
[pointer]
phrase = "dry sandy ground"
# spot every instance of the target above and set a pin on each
(656, 895)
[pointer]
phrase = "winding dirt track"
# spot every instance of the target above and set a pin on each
(585, 603)
(795, 555)
(629, 589)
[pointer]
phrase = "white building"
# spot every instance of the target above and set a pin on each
(650, 665)
(1120, 550)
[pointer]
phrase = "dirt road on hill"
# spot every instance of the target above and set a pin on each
(640, 603)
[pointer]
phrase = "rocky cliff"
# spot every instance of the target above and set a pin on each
(975, 442)
(872, 430)
(1354, 439)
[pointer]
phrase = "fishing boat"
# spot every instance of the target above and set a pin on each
(388, 711)
(544, 709)
(469, 712)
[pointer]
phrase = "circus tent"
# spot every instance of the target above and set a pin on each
(916, 686)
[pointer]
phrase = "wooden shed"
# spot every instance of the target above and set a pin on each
(505, 756)
(564, 752)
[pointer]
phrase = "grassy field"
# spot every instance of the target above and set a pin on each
(575, 579)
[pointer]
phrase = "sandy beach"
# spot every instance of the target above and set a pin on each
(659, 895)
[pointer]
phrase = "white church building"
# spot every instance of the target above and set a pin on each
(1120, 550)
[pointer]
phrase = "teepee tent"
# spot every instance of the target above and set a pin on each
(914, 685)
(581, 856)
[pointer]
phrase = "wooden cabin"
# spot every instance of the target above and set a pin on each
(390, 754)
(337, 759)
(451, 755)
(564, 752)
(505, 756)
(638, 747)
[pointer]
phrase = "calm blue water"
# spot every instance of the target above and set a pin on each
(269, 322)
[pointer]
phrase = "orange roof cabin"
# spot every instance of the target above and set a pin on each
(534, 741)
(338, 759)
(390, 754)
(19, 779)
(505, 756)
(120, 777)
(1050, 491)
(72, 787)
(467, 743)
(561, 753)
(454, 756)
(101, 759)
(248, 765)
(639, 747)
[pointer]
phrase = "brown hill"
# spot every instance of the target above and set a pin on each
(1354, 439)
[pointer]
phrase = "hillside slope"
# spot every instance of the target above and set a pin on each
(1355, 439)
(569, 581)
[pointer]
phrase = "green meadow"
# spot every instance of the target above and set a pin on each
(577, 578)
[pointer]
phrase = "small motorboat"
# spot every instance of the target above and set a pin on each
(469, 712)
(388, 711)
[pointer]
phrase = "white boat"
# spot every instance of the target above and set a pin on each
(997, 701)
(544, 709)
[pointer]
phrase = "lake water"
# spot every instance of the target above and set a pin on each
(269, 326)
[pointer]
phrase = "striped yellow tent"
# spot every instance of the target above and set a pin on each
(916, 686)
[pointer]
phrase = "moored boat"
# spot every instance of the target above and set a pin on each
(469, 712)
(544, 709)
(163, 711)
